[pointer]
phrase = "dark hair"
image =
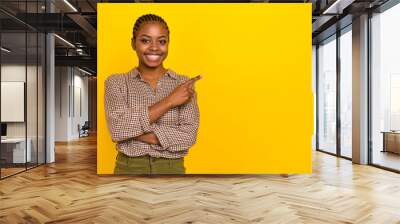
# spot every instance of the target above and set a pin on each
(146, 19)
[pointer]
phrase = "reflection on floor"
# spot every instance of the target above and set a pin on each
(12, 169)
(387, 159)
(70, 191)
(346, 152)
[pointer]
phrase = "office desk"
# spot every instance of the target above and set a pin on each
(13, 150)
(391, 141)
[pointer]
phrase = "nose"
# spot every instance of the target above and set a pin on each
(154, 46)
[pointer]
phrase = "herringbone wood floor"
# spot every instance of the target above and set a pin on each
(69, 191)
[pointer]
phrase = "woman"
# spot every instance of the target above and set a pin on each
(151, 111)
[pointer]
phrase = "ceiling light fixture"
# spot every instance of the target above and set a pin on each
(70, 5)
(337, 7)
(64, 40)
(84, 71)
(5, 50)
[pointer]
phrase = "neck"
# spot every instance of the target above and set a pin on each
(151, 73)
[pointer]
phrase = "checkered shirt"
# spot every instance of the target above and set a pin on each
(127, 98)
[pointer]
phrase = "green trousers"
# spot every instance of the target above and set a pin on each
(147, 165)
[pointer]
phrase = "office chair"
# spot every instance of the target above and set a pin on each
(84, 130)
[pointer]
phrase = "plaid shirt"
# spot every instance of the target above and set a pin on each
(127, 98)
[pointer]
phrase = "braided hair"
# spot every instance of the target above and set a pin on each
(147, 18)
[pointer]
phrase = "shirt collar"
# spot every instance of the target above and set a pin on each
(135, 73)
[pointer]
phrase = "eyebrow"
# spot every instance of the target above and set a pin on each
(144, 35)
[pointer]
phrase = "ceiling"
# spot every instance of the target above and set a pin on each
(329, 16)
(73, 20)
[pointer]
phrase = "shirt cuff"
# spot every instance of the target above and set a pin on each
(162, 137)
(145, 120)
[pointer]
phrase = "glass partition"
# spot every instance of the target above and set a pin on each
(22, 88)
(14, 154)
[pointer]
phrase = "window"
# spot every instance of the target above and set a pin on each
(385, 88)
(346, 93)
(327, 95)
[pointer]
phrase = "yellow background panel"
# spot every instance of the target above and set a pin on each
(255, 99)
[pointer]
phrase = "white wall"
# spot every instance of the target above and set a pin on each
(71, 93)
(12, 73)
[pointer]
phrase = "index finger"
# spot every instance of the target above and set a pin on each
(196, 78)
(192, 80)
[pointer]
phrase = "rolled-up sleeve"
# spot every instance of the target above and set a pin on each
(183, 135)
(123, 122)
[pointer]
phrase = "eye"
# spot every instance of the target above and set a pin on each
(163, 42)
(145, 41)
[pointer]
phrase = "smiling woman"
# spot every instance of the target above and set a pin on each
(150, 51)
(151, 111)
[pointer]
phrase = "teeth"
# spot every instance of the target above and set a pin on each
(153, 57)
